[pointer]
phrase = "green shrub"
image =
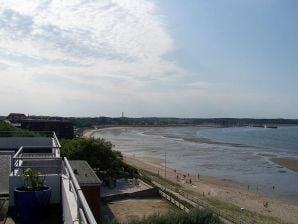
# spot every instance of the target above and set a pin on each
(196, 216)
(6, 130)
(33, 181)
(100, 156)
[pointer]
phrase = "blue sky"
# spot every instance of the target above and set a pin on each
(194, 58)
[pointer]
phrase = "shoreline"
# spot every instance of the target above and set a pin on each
(222, 190)
(289, 163)
(89, 132)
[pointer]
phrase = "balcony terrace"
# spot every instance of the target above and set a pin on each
(67, 204)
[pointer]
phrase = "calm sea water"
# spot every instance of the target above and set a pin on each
(238, 154)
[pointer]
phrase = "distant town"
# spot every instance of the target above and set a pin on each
(68, 127)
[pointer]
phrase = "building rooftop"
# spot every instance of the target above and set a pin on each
(43, 154)
(14, 143)
(84, 173)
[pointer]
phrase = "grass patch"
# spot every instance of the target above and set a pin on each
(196, 216)
(225, 209)
(6, 130)
(149, 176)
(245, 216)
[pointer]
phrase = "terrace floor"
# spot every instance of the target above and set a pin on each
(124, 186)
(8, 216)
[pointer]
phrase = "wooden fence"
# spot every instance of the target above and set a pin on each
(164, 189)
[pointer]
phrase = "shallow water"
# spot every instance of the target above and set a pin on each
(238, 154)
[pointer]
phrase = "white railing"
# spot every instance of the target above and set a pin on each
(47, 159)
(85, 216)
(53, 154)
(40, 161)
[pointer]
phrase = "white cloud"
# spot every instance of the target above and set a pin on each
(85, 31)
(81, 48)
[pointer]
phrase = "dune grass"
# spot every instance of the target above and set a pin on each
(196, 216)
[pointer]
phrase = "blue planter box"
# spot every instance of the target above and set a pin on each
(31, 206)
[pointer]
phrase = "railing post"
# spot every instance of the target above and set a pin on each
(78, 209)
(12, 165)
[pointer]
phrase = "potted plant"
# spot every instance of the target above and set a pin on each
(32, 199)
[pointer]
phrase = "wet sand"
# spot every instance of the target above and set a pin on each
(222, 190)
(291, 164)
(219, 189)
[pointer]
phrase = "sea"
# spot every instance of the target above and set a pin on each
(241, 155)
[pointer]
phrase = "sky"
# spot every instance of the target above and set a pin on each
(161, 58)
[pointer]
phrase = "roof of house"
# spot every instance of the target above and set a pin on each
(84, 173)
(14, 143)
(16, 114)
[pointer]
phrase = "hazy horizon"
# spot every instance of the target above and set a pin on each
(257, 118)
(158, 58)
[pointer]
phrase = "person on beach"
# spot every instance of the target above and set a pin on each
(198, 176)
(189, 181)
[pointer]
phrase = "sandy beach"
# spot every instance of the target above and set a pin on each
(222, 190)
(291, 164)
(88, 133)
(216, 188)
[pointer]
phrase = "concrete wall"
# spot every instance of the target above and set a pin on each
(54, 166)
(5, 158)
(69, 203)
(92, 195)
(144, 193)
(52, 180)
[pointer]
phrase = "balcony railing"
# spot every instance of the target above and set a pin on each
(47, 160)
(41, 158)
(27, 134)
(84, 213)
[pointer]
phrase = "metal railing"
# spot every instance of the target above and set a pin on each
(85, 216)
(21, 158)
(198, 201)
(56, 140)
(48, 153)
(26, 133)
(48, 157)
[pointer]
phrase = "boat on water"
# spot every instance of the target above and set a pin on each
(264, 126)
(270, 126)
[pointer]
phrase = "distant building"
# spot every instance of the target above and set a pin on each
(16, 117)
(63, 129)
(89, 183)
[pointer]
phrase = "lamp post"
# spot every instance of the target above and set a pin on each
(165, 164)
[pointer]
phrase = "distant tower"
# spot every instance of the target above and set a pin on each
(122, 115)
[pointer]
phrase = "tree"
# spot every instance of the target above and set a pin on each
(98, 153)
